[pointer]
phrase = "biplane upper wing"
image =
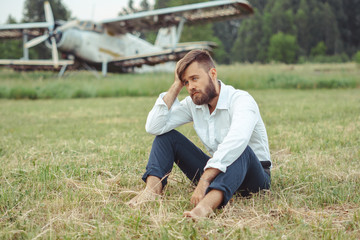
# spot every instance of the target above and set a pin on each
(166, 17)
(166, 55)
(9, 31)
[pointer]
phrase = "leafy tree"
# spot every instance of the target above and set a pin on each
(34, 11)
(162, 4)
(283, 48)
(11, 48)
(131, 5)
(144, 6)
(280, 17)
(10, 20)
(357, 57)
(301, 19)
(249, 44)
(259, 5)
(330, 31)
(319, 49)
(349, 25)
(227, 33)
(334, 22)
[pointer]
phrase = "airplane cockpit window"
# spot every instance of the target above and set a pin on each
(91, 26)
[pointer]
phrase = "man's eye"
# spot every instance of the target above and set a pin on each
(186, 83)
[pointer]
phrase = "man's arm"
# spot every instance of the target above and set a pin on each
(172, 93)
(206, 178)
(168, 113)
(174, 90)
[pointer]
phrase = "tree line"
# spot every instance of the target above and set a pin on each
(307, 29)
(288, 31)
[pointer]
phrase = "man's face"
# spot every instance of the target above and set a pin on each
(199, 84)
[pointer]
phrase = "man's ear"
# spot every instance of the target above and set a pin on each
(213, 73)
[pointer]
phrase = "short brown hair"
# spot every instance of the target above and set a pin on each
(200, 56)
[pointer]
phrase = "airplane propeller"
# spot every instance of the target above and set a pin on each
(51, 33)
(49, 15)
(35, 41)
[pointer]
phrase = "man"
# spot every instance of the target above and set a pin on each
(228, 123)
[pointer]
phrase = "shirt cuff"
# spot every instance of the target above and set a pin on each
(216, 165)
(160, 100)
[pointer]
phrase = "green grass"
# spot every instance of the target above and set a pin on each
(302, 76)
(68, 166)
(46, 85)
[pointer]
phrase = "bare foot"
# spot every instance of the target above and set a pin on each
(198, 212)
(143, 197)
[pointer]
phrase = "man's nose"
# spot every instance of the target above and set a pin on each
(191, 85)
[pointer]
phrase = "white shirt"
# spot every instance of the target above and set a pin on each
(233, 125)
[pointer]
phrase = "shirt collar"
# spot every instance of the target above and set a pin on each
(222, 101)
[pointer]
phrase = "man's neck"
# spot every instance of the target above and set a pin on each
(212, 104)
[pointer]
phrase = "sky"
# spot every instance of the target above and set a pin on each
(82, 9)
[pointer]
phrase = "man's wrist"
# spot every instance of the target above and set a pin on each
(178, 85)
(205, 180)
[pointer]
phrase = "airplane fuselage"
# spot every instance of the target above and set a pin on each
(101, 47)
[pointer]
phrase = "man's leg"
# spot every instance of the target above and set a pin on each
(245, 175)
(166, 149)
(207, 205)
(152, 190)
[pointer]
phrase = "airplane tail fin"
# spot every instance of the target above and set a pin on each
(167, 37)
(170, 36)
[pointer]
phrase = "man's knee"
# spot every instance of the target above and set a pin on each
(169, 135)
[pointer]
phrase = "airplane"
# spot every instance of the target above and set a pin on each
(112, 45)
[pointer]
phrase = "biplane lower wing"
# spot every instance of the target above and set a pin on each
(124, 64)
(26, 65)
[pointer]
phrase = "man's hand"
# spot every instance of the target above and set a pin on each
(204, 182)
(174, 90)
(199, 192)
(177, 78)
(178, 84)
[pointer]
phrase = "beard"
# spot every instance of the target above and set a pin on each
(205, 97)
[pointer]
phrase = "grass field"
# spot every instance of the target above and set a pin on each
(68, 166)
(46, 85)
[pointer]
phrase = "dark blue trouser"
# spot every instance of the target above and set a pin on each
(245, 175)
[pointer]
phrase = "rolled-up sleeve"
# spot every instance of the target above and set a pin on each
(162, 120)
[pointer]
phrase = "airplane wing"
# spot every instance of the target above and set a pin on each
(166, 17)
(9, 31)
(19, 64)
(171, 54)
